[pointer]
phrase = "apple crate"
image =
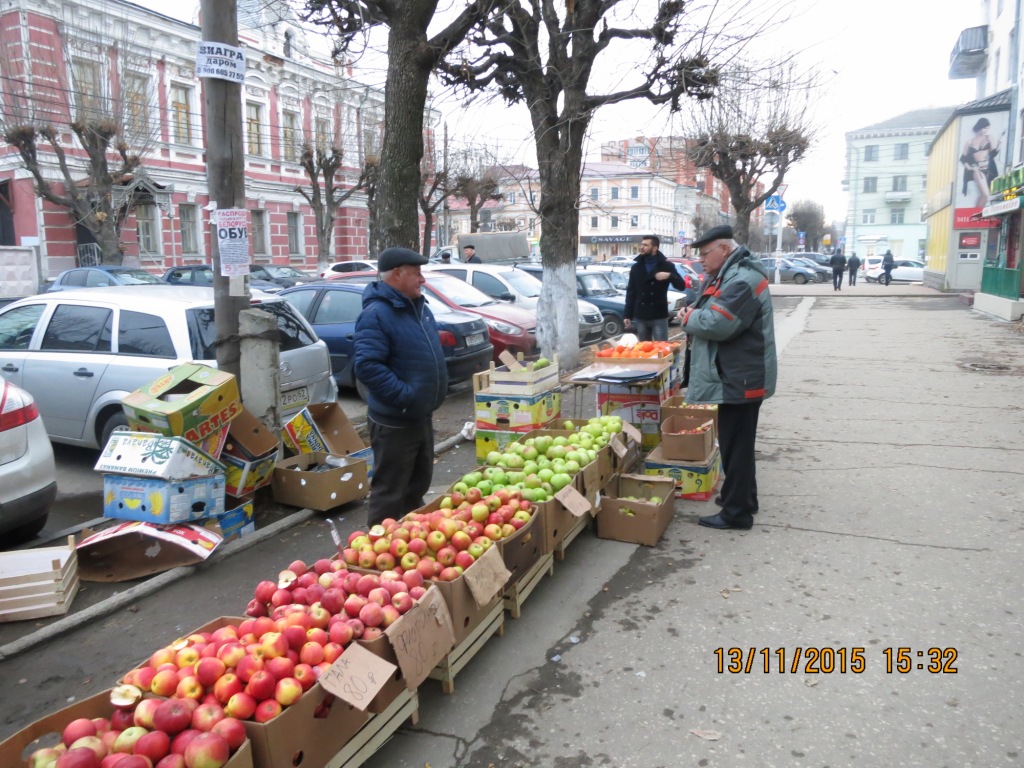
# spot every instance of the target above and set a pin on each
(35, 583)
(524, 381)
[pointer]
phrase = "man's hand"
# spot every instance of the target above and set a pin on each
(684, 314)
(661, 275)
(627, 322)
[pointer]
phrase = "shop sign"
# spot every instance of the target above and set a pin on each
(1001, 208)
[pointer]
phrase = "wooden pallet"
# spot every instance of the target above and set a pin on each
(463, 653)
(377, 731)
(576, 530)
(518, 592)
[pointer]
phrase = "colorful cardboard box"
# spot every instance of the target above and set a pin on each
(147, 454)
(311, 480)
(156, 500)
(636, 522)
(693, 480)
(249, 455)
(643, 411)
(688, 438)
(191, 401)
(132, 550)
(517, 379)
(516, 413)
(322, 428)
(239, 519)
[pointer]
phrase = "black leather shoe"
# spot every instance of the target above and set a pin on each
(718, 499)
(719, 522)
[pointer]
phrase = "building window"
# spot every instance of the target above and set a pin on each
(593, 193)
(615, 193)
(870, 184)
(181, 114)
(511, 197)
(188, 221)
(88, 88)
(290, 136)
(901, 152)
(871, 152)
(615, 222)
(287, 44)
(868, 216)
(259, 232)
(294, 230)
(253, 135)
(145, 228)
(634, 222)
(135, 95)
(533, 197)
(899, 183)
(896, 215)
(924, 181)
(593, 222)
(634, 193)
(322, 130)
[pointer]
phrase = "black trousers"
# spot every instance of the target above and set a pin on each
(403, 465)
(737, 426)
(853, 277)
(888, 276)
(837, 278)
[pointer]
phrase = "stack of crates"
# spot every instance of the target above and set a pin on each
(509, 402)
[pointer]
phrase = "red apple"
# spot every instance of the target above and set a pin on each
(172, 716)
(413, 578)
(144, 712)
(417, 546)
(232, 730)
(279, 667)
(464, 560)
(190, 688)
(449, 574)
(182, 740)
(81, 757)
(210, 670)
(371, 615)
(247, 666)
(446, 556)
(436, 540)
(261, 685)
(391, 615)
(171, 761)
(305, 675)
(311, 653)
(228, 685)
(241, 706)
(95, 743)
(206, 715)
(287, 691)
(164, 682)
(207, 750)
(155, 745)
(121, 719)
(331, 652)
(267, 710)
(76, 729)
(402, 601)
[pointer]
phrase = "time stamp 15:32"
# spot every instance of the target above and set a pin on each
(827, 660)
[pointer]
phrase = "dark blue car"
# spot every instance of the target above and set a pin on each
(332, 308)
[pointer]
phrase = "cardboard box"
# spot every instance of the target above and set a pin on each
(636, 522)
(676, 405)
(191, 401)
(147, 454)
(516, 413)
(693, 480)
(46, 731)
(643, 411)
(688, 438)
(249, 455)
(515, 378)
(238, 520)
(155, 500)
(35, 583)
(296, 481)
(133, 550)
(322, 428)
(520, 551)
(625, 447)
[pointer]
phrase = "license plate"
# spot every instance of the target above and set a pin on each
(295, 398)
(474, 338)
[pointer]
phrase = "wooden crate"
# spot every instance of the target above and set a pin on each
(463, 653)
(583, 522)
(516, 593)
(499, 380)
(377, 731)
(35, 583)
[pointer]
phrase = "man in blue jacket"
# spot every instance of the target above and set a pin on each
(399, 359)
(732, 362)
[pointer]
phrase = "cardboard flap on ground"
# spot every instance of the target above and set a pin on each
(133, 550)
(422, 637)
(148, 454)
(574, 501)
(357, 676)
(486, 577)
(191, 401)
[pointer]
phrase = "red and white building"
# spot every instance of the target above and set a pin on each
(62, 55)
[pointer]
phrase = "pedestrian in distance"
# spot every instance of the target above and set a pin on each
(838, 264)
(888, 265)
(853, 264)
(732, 362)
(647, 291)
(469, 255)
(398, 358)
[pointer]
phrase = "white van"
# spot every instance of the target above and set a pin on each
(506, 283)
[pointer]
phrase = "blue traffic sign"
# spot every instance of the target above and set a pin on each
(775, 203)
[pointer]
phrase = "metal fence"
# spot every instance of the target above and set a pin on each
(1003, 282)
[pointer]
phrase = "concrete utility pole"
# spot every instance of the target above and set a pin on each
(225, 174)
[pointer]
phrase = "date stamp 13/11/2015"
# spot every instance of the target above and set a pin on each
(814, 660)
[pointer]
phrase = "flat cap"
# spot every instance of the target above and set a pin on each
(398, 257)
(723, 232)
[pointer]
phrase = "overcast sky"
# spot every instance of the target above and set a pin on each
(883, 58)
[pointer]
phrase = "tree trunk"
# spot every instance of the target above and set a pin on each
(428, 225)
(109, 240)
(398, 175)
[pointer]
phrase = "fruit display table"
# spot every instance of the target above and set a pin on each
(463, 653)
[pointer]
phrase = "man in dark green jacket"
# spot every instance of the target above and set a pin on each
(732, 362)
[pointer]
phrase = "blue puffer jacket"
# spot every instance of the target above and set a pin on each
(399, 357)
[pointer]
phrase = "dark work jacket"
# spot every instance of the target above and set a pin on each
(399, 357)
(646, 297)
(838, 261)
(853, 263)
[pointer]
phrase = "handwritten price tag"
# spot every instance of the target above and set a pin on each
(357, 676)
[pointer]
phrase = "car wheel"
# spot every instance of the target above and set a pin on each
(799, 279)
(115, 420)
(613, 326)
(362, 391)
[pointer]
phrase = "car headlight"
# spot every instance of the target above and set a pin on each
(507, 328)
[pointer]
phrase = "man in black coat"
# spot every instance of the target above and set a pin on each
(646, 312)
(852, 265)
(838, 264)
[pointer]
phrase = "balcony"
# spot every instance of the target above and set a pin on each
(903, 196)
(969, 54)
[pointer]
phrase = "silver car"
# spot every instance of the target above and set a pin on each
(28, 476)
(80, 352)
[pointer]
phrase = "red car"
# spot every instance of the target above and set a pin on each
(510, 327)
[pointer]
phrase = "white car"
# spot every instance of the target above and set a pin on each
(79, 353)
(28, 475)
(906, 271)
(341, 268)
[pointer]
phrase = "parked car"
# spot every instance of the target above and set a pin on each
(80, 352)
(694, 265)
(279, 274)
(790, 272)
(821, 259)
(28, 475)
(100, 277)
(824, 274)
(510, 327)
(599, 291)
(346, 267)
(505, 283)
(619, 275)
(906, 271)
(627, 260)
(202, 274)
(332, 308)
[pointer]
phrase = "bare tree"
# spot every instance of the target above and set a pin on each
(808, 217)
(434, 191)
(477, 184)
(759, 125)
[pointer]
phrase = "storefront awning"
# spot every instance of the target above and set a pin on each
(1002, 208)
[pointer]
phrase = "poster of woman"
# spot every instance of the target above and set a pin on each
(982, 157)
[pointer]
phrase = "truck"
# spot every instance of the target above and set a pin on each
(489, 246)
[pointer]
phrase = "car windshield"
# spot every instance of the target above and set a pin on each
(278, 271)
(523, 283)
(458, 292)
(293, 331)
(619, 278)
(596, 284)
(136, 277)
